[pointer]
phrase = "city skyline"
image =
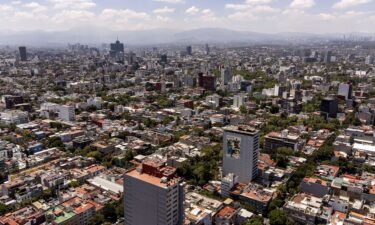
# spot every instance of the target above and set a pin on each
(267, 16)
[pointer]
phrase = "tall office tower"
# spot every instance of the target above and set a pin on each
(345, 91)
(164, 58)
(23, 53)
(117, 49)
(329, 107)
(189, 50)
(327, 57)
(226, 75)
(241, 149)
(207, 48)
(132, 58)
(153, 194)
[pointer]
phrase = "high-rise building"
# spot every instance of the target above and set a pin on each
(23, 53)
(345, 91)
(226, 75)
(132, 58)
(164, 58)
(241, 149)
(153, 194)
(10, 100)
(369, 60)
(207, 82)
(117, 49)
(328, 57)
(189, 50)
(67, 113)
(239, 100)
(207, 48)
(329, 107)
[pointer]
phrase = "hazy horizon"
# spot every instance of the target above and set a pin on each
(263, 16)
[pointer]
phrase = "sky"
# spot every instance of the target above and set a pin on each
(267, 16)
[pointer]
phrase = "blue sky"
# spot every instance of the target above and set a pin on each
(270, 16)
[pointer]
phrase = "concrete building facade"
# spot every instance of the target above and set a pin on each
(241, 149)
(153, 195)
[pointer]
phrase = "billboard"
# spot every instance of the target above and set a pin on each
(233, 146)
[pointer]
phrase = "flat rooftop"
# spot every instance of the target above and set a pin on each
(151, 179)
(241, 129)
(106, 184)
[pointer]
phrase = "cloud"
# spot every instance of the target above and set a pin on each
(326, 16)
(57, 15)
(343, 4)
(164, 10)
(192, 10)
(237, 7)
(247, 4)
(265, 9)
(66, 16)
(302, 4)
(242, 16)
(208, 16)
(171, 1)
(5, 8)
(255, 2)
(163, 19)
(35, 7)
(122, 14)
(73, 4)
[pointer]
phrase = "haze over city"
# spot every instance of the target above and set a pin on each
(187, 112)
(71, 20)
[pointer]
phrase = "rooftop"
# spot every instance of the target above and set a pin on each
(160, 182)
(242, 129)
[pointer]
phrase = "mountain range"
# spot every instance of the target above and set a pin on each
(95, 36)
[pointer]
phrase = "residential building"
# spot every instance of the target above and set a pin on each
(241, 149)
(154, 190)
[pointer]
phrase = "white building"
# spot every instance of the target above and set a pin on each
(96, 102)
(67, 113)
(369, 60)
(241, 150)
(14, 117)
(345, 91)
(48, 106)
(227, 184)
(213, 100)
(239, 100)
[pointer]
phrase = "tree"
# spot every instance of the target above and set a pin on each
(243, 109)
(3, 176)
(120, 208)
(274, 109)
(281, 156)
(74, 184)
(357, 122)
(47, 194)
(97, 155)
(255, 220)
(4, 209)
(278, 217)
(109, 212)
(282, 161)
(55, 142)
(97, 219)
